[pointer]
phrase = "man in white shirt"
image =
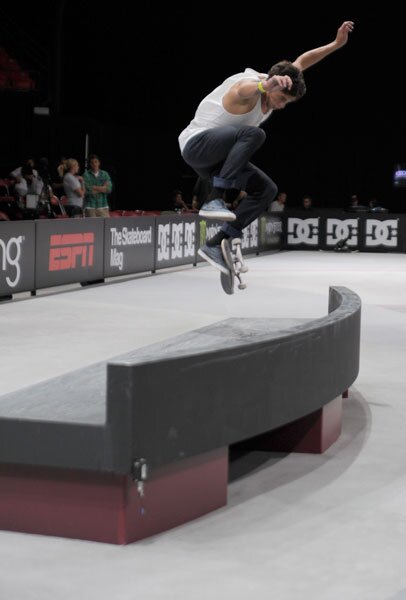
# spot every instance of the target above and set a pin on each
(224, 134)
(27, 185)
(278, 205)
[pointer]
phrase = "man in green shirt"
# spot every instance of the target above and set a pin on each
(97, 186)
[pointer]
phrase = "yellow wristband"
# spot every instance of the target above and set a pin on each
(261, 88)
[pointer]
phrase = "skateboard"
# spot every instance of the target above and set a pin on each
(232, 254)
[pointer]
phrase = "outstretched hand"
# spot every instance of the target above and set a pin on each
(342, 33)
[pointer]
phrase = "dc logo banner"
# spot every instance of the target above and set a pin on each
(342, 229)
(163, 242)
(249, 239)
(177, 246)
(381, 233)
(303, 231)
(176, 242)
(189, 240)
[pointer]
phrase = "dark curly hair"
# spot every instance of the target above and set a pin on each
(285, 67)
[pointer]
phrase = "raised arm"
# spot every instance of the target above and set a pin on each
(311, 57)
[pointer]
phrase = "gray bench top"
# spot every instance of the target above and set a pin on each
(80, 396)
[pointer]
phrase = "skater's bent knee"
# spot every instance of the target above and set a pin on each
(259, 135)
(254, 133)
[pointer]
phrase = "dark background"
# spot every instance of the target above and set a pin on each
(132, 79)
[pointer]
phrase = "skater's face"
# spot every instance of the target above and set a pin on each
(278, 99)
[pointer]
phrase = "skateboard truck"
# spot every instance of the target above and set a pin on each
(236, 250)
(231, 250)
(238, 262)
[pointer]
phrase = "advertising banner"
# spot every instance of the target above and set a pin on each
(17, 256)
(249, 236)
(129, 244)
(68, 251)
(270, 232)
(176, 239)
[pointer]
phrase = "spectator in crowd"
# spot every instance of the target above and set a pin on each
(278, 205)
(307, 203)
(27, 180)
(27, 183)
(355, 204)
(178, 203)
(73, 188)
(57, 183)
(354, 201)
(376, 207)
(16, 174)
(97, 186)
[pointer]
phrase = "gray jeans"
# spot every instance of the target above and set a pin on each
(223, 154)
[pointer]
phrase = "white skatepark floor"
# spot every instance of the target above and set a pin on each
(297, 526)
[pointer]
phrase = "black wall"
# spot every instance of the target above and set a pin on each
(136, 81)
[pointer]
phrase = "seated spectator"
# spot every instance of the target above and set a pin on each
(27, 183)
(307, 203)
(16, 174)
(278, 205)
(355, 205)
(375, 206)
(97, 186)
(73, 188)
(354, 201)
(178, 204)
(26, 180)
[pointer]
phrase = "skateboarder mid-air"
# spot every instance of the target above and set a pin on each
(225, 132)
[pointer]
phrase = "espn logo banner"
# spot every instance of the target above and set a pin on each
(70, 251)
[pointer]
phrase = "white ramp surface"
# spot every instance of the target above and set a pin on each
(297, 526)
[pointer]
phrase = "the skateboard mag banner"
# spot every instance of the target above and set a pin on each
(129, 245)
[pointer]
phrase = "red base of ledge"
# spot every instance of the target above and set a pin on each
(313, 433)
(108, 508)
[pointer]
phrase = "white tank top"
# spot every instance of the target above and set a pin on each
(211, 112)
